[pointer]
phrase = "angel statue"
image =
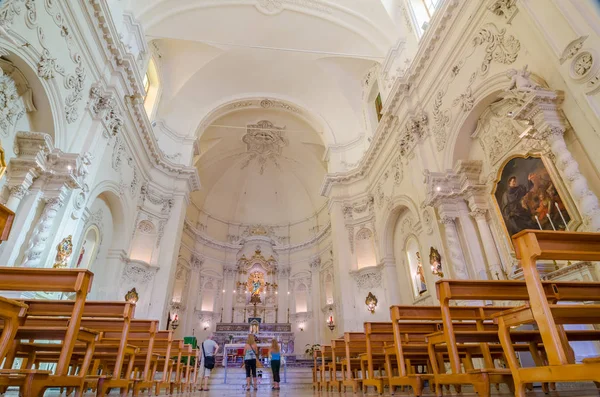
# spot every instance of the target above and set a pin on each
(520, 80)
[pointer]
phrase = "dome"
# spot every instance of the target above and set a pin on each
(260, 166)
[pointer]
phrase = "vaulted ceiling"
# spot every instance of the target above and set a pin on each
(308, 57)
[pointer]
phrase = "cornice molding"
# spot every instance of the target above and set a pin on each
(124, 63)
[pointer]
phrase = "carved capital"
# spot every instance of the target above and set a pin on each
(478, 214)
(504, 8)
(196, 262)
(18, 191)
(315, 264)
(447, 220)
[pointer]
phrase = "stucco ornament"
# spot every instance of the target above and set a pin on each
(264, 142)
(11, 105)
(499, 48)
(520, 80)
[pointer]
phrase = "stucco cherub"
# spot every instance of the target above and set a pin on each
(520, 80)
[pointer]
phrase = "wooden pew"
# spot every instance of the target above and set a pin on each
(356, 356)
(142, 335)
(320, 367)
(163, 346)
(101, 316)
(449, 290)
(549, 317)
(338, 352)
(12, 313)
(382, 333)
(411, 325)
(78, 281)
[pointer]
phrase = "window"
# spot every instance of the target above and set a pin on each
(421, 13)
(146, 85)
(365, 249)
(151, 88)
(378, 107)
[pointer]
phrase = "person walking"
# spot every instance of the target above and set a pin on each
(207, 363)
(275, 356)
(250, 357)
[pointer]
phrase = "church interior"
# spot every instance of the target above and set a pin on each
(403, 194)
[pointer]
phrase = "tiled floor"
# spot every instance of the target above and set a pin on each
(262, 392)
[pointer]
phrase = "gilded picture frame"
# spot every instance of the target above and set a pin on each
(563, 214)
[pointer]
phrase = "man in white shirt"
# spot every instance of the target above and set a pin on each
(210, 350)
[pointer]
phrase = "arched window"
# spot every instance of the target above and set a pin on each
(421, 13)
(89, 248)
(151, 88)
(365, 249)
(415, 267)
(301, 298)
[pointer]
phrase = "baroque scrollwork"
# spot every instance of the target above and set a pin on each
(11, 104)
(499, 47)
(368, 279)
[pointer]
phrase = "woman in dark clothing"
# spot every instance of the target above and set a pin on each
(250, 356)
(275, 356)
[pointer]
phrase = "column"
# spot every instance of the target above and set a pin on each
(489, 245)
(283, 297)
(470, 235)
(342, 262)
(189, 322)
(24, 218)
(162, 289)
(315, 270)
(543, 107)
(41, 232)
(229, 273)
(390, 282)
(578, 184)
(457, 258)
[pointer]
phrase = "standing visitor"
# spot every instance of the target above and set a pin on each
(250, 356)
(275, 356)
(209, 351)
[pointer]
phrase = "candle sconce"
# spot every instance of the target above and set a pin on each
(132, 296)
(371, 302)
(330, 322)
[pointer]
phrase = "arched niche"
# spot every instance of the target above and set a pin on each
(88, 250)
(209, 294)
(180, 287)
(301, 297)
(143, 245)
(415, 266)
(365, 249)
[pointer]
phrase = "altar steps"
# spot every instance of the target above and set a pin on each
(297, 378)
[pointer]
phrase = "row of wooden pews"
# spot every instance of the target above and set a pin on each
(474, 336)
(91, 344)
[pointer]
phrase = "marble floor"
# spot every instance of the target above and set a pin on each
(262, 392)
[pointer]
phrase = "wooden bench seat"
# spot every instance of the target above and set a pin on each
(459, 290)
(77, 281)
(549, 317)
(12, 314)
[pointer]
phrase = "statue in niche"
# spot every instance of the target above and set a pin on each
(435, 259)
(81, 254)
(420, 279)
(256, 283)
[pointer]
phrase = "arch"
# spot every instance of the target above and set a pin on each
(252, 101)
(301, 298)
(109, 192)
(400, 204)
(484, 94)
(46, 93)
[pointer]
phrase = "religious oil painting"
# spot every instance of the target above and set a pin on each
(528, 198)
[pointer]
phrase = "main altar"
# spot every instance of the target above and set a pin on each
(255, 305)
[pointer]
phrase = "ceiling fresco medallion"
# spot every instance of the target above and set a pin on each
(264, 142)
